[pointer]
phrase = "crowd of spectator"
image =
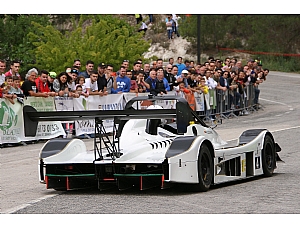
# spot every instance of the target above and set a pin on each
(158, 78)
(184, 77)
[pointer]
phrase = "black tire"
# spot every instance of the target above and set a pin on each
(268, 156)
(205, 169)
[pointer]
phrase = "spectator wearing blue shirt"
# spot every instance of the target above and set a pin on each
(122, 83)
(150, 82)
(180, 65)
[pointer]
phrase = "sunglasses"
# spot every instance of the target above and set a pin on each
(126, 60)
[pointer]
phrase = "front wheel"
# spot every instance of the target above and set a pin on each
(205, 169)
(268, 156)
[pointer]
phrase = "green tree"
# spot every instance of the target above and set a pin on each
(14, 43)
(270, 33)
(100, 38)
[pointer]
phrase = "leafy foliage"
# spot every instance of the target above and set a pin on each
(269, 33)
(14, 43)
(258, 33)
(105, 39)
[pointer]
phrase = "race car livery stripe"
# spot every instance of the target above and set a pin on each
(155, 145)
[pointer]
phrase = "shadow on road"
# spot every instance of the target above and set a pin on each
(176, 189)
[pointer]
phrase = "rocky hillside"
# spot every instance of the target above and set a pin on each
(161, 46)
(164, 48)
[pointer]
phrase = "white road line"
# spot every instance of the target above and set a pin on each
(22, 206)
(277, 103)
(283, 129)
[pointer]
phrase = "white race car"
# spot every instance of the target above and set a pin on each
(149, 148)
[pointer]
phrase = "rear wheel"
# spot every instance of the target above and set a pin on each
(205, 169)
(268, 156)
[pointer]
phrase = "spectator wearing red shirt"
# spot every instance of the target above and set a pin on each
(14, 69)
(42, 83)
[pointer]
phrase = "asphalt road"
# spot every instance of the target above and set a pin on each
(21, 192)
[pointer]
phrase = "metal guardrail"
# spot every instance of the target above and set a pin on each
(232, 103)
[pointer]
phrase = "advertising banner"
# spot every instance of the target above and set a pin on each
(199, 100)
(111, 102)
(48, 129)
(11, 122)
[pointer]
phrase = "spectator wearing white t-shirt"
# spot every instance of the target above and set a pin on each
(92, 86)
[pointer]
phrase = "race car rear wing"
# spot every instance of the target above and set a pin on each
(183, 114)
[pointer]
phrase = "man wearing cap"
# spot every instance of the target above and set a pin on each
(77, 64)
(42, 83)
(183, 77)
(101, 69)
(101, 81)
(74, 74)
(89, 68)
(51, 77)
